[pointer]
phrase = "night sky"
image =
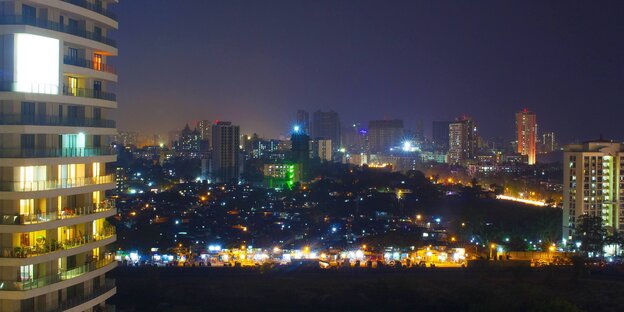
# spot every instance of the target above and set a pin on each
(256, 62)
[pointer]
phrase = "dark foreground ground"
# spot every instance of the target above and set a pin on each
(230, 289)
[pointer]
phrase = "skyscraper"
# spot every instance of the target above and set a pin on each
(592, 184)
(303, 121)
(384, 134)
(463, 140)
(526, 127)
(225, 162)
(440, 134)
(326, 125)
(53, 153)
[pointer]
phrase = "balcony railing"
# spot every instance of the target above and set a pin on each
(55, 152)
(34, 283)
(11, 86)
(90, 64)
(89, 93)
(54, 245)
(44, 185)
(75, 301)
(44, 120)
(92, 7)
(66, 213)
(47, 24)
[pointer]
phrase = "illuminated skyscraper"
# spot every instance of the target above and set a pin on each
(463, 140)
(526, 126)
(593, 184)
(55, 105)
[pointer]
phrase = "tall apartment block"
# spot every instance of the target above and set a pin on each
(463, 140)
(526, 132)
(593, 184)
(54, 138)
(225, 163)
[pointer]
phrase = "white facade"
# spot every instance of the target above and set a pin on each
(54, 146)
(593, 184)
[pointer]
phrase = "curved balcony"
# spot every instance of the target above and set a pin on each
(55, 152)
(34, 283)
(92, 7)
(47, 24)
(89, 93)
(43, 120)
(53, 245)
(74, 301)
(90, 64)
(45, 185)
(11, 86)
(67, 213)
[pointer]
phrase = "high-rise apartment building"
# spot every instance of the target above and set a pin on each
(225, 162)
(593, 184)
(55, 132)
(526, 130)
(189, 143)
(127, 138)
(326, 125)
(205, 131)
(303, 121)
(384, 134)
(321, 149)
(463, 140)
(549, 142)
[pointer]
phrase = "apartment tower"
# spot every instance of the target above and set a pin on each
(526, 126)
(593, 184)
(55, 134)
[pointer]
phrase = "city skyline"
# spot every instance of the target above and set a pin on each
(369, 61)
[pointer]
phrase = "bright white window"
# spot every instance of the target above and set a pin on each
(36, 64)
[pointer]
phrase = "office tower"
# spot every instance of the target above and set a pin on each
(526, 127)
(225, 162)
(303, 121)
(593, 184)
(440, 134)
(463, 140)
(300, 146)
(55, 105)
(326, 125)
(205, 131)
(321, 148)
(384, 134)
(549, 142)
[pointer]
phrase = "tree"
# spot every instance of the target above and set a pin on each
(590, 232)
